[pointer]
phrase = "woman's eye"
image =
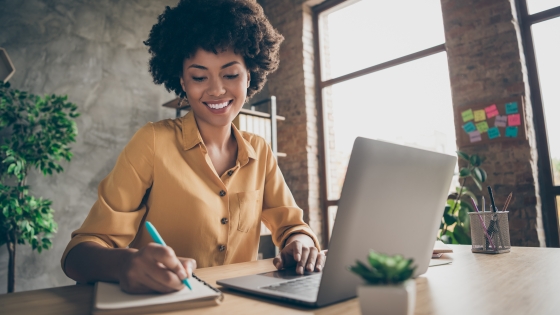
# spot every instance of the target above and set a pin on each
(198, 79)
(231, 76)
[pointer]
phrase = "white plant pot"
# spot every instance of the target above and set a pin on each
(388, 299)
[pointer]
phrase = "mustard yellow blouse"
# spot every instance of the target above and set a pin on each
(165, 175)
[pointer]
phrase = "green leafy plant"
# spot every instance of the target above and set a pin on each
(384, 269)
(455, 223)
(36, 132)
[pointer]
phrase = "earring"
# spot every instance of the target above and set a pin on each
(184, 102)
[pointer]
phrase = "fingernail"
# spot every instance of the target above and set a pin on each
(182, 275)
(311, 267)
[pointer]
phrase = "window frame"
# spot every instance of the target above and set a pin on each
(320, 85)
(548, 191)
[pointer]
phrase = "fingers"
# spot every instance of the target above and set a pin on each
(312, 259)
(321, 258)
(189, 264)
(277, 262)
(166, 256)
(303, 261)
(296, 250)
(155, 268)
(302, 256)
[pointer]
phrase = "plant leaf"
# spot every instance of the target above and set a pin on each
(463, 155)
(475, 160)
(464, 172)
(477, 183)
(461, 236)
(449, 219)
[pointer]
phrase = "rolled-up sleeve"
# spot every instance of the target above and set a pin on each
(115, 217)
(281, 215)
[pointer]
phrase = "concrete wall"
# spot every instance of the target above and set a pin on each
(93, 52)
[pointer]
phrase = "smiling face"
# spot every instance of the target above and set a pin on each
(216, 86)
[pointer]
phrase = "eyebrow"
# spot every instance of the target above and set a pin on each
(223, 67)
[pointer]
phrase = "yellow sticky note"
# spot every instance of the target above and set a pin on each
(479, 115)
(482, 127)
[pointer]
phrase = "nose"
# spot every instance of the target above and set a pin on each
(216, 87)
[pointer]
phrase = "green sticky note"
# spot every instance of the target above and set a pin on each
(511, 132)
(467, 115)
(469, 127)
(482, 126)
(493, 133)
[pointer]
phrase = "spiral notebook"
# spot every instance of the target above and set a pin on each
(110, 299)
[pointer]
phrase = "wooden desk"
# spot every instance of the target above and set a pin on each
(525, 281)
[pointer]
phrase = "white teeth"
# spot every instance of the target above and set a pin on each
(218, 106)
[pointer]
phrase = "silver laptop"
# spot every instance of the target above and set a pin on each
(392, 202)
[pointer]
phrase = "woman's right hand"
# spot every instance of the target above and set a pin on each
(154, 268)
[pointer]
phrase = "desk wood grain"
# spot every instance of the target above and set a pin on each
(525, 281)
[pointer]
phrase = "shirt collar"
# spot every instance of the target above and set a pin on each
(192, 137)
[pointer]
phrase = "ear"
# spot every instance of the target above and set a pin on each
(248, 78)
(183, 84)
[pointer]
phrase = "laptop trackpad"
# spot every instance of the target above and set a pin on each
(287, 274)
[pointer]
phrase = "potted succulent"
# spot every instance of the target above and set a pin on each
(389, 287)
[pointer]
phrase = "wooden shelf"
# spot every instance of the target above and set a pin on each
(7, 68)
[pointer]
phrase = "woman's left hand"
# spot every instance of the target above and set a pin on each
(300, 252)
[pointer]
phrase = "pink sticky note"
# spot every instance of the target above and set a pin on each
(514, 120)
(491, 111)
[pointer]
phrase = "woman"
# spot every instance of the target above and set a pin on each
(205, 185)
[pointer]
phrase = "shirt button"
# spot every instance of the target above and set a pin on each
(222, 193)
(230, 172)
(221, 248)
(224, 220)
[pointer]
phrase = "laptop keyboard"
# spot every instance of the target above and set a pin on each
(306, 286)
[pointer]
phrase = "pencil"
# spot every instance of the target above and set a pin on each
(507, 201)
(483, 225)
(494, 209)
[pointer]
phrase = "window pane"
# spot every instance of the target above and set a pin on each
(547, 50)
(535, 6)
(366, 33)
(557, 205)
(332, 217)
(408, 104)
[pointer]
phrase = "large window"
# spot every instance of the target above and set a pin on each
(383, 74)
(540, 22)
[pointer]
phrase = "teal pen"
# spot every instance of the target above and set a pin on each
(155, 236)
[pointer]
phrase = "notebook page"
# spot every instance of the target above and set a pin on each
(110, 296)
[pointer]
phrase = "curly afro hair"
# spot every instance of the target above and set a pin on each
(214, 26)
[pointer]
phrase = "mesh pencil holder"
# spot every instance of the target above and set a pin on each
(492, 236)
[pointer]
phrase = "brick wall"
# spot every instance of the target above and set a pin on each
(294, 86)
(486, 63)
